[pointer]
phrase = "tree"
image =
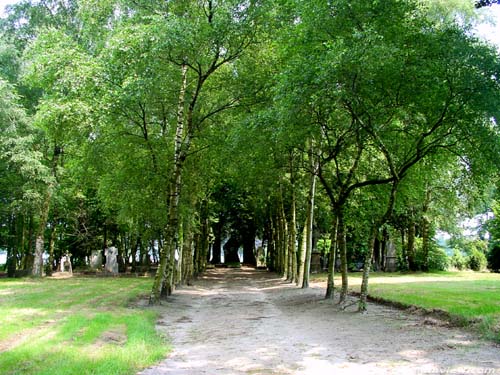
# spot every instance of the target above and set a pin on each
(22, 168)
(484, 3)
(386, 96)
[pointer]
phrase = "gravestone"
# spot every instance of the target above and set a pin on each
(65, 265)
(315, 262)
(261, 257)
(111, 260)
(390, 258)
(96, 260)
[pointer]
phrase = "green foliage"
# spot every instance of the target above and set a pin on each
(458, 261)
(437, 260)
(323, 245)
(9, 61)
(493, 228)
(383, 98)
(494, 258)
(476, 260)
(475, 254)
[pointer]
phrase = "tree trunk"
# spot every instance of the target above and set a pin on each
(410, 248)
(366, 270)
(271, 250)
(404, 253)
(52, 240)
(313, 163)
(205, 236)
(11, 261)
(44, 215)
(180, 248)
(341, 243)
(283, 239)
(217, 245)
(27, 255)
(187, 254)
(371, 243)
(278, 234)
(137, 247)
(249, 244)
(302, 255)
(40, 235)
(163, 277)
(231, 251)
(426, 240)
(330, 290)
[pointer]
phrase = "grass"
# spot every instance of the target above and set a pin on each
(470, 298)
(76, 326)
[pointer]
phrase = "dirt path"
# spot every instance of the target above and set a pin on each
(242, 321)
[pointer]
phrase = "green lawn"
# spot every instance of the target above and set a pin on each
(471, 298)
(76, 326)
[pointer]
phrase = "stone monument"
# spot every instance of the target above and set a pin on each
(111, 260)
(96, 260)
(315, 262)
(65, 265)
(261, 257)
(391, 258)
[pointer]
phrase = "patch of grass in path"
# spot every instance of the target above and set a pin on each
(76, 326)
(472, 298)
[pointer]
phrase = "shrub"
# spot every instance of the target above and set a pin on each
(438, 259)
(477, 260)
(494, 258)
(458, 261)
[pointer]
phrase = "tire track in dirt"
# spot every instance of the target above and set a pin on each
(245, 321)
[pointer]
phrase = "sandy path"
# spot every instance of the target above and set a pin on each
(242, 321)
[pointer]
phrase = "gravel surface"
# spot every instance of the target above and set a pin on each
(246, 321)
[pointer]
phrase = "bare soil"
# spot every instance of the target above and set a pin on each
(246, 321)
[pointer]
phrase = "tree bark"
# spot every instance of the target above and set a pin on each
(163, 277)
(313, 164)
(341, 243)
(187, 254)
(44, 215)
(27, 255)
(180, 262)
(40, 235)
(366, 270)
(302, 255)
(373, 236)
(278, 234)
(217, 245)
(293, 225)
(205, 236)
(11, 263)
(404, 252)
(410, 248)
(283, 239)
(330, 285)
(52, 240)
(426, 240)
(248, 238)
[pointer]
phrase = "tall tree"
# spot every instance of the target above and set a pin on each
(384, 96)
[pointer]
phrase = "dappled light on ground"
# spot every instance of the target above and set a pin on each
(240, 321)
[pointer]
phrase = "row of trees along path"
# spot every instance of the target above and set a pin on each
(167, 127)
(247, 321)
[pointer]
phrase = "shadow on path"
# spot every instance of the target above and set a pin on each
(246, 321)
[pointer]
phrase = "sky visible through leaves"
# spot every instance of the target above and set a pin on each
(487, 29)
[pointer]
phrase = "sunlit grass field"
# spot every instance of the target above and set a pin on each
(471, 298)
(76, 326)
